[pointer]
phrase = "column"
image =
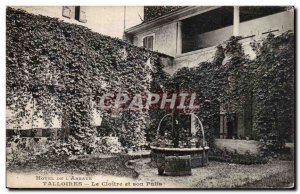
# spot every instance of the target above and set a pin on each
(236, 21)
(179, 38)
(193, 124)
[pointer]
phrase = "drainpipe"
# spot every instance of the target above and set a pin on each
(124, 19)
(236, 21)
(179, 38)
(124, 24)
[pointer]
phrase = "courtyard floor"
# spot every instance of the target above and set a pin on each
(274, 174)
(226, 175)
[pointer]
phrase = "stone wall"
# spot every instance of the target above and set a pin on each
(241, 146)
(192, 59)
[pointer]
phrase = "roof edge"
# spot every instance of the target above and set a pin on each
(172, 16)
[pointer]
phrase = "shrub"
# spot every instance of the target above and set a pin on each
(234, 157)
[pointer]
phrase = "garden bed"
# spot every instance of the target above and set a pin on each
(109, 165)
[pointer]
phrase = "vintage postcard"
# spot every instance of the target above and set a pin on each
(156, 97)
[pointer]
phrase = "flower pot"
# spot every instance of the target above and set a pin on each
(163, 145)
(170, 145)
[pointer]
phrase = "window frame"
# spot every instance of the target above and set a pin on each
(75, 12)
(153, 43)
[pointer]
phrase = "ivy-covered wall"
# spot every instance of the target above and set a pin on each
(61, 69)
(234, 82)
(64, 68)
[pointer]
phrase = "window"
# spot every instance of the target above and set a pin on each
(228, 126)
(148, 42)
(75, 12)
(80, 14)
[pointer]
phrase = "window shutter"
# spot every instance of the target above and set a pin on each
(145, 42)
(150, 41)
(68, 11)
(82, 16)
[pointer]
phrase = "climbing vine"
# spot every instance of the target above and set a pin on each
(232, 80)
(60, 69)
(274, 91)
(206, 80)
(63, 69)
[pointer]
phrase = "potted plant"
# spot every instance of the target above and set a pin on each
(180, 144)
(169, 144)
(164, 143)
(157, 142)
(193, 143)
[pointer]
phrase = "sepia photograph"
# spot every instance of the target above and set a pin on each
(150, 97)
